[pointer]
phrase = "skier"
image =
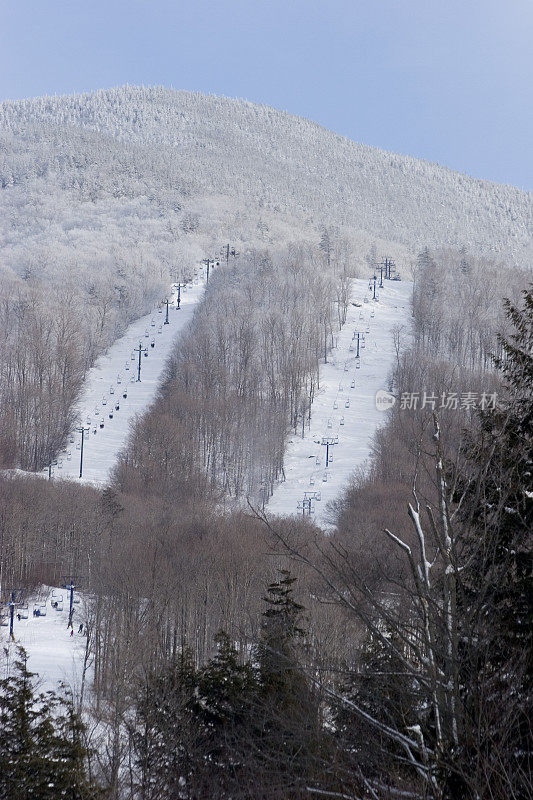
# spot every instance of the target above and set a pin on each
(80, 629)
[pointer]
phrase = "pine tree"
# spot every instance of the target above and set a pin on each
(496, 602)
(289, 708)
(42, 756)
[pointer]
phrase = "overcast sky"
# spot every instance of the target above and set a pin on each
(446, 80)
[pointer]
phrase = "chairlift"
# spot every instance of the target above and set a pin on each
(160, 329)
(94, 431)
(352, 385)
(132, 357)
(358, 365)
(60, 465)
(78, 446)
(325, 477)
(119, 379)
(312, 480)
(330, 424)
(318, 496)
(111, 390)
(71, 439)
(346, 366)
(152, 343)
(42, 609)
(102, 423)
(341, 387)
(124, 394)
(351, 348)
(160, 311)
(152, 323)
(117, 407)
(347, 403)
(104, 401)
(127, 366)
(335, 405)
(341, 421)
(69, 456)
(110, 415)
(146, 334)
(317, 461)
(24, 611)
(132, 379)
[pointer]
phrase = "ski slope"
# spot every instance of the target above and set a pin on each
(112, 396)
(53, 654)
(344, 410)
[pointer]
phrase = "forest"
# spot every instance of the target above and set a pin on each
(227, 652)
(236, 654)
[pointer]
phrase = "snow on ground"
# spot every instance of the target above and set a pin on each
(345, 407)
(111, 387)
(53, 653)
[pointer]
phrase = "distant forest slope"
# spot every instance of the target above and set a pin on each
(139, 142)
(107, 197)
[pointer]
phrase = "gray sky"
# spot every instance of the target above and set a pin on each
(446, 80)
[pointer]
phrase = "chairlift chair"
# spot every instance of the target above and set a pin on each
(353, 384)
(335, 405)
(347, 403)
(110, 415)
(117, 407)
(104, 401)
(358, 365)
(341, 421)
(102, 423)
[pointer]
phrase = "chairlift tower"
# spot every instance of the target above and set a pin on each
(83, 430)
(327, 442)
(139, 350)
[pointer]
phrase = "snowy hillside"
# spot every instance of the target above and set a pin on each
(221, 162)
(113, 396)
(344, 411)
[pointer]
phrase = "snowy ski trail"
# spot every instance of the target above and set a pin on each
(112, 397)
(344, 409)
(53, 654)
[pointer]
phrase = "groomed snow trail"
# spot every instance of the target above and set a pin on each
(53, 654)
(113, 397)
(345, 409)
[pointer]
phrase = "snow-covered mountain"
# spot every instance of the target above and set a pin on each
(228, 167)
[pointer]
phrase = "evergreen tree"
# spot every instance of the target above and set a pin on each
(289, 707)
(496, 601)
(42, 756)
